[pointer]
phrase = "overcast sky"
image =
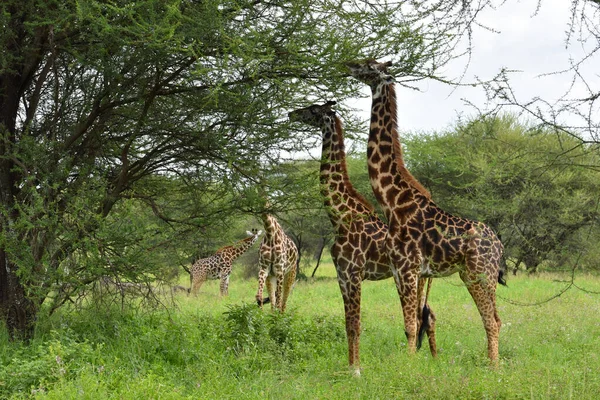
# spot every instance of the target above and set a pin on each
(529, 42)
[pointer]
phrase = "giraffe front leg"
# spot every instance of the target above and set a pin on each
(409, 310)
(224, 286)
(262, 277)
(350, 286)
(406, 284)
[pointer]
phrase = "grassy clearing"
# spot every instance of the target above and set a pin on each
(212, 348)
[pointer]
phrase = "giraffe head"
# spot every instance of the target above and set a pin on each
(254, 232)
(370, 71)
(313, 115)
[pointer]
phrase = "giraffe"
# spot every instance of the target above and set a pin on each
(358, 251)
(423, 239)
(219, 265)
(277, 259)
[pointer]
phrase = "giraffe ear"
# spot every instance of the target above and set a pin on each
(388, 64)
(259, 232)
(249, 233)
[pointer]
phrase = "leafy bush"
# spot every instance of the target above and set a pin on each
(252, 329)
(34, 368)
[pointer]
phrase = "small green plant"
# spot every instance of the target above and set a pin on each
(246, 327)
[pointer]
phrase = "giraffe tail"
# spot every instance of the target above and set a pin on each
(501, 279)
(502, 272)
(424, 325)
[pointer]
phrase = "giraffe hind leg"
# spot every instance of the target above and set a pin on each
(422, 312)
(197, 282)
(427, 327)
(271, 289)
(484, 295)
(288, 284)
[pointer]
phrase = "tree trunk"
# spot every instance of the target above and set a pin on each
(319, 255)
(516, 267)
(16, 310)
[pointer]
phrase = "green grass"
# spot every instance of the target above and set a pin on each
(213, 348)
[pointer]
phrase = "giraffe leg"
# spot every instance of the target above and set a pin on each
(197, 281)
(431, 334)
(224, 286)
(262, 278)
(288, 284)
(421, 311)
(406, 284)
(483, 291)
(271, 285)
(350, 286)
(279, 289)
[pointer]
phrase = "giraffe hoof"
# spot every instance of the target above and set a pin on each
(260, 302)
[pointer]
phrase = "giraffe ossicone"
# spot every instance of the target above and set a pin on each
(422, 236)
(358, 251)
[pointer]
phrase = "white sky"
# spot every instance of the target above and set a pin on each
(529, 42)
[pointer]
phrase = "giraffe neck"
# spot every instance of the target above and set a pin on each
(271, 226)
(385, 161)
(342, 201)
(240, 247)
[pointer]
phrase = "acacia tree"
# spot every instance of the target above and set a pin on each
(98, 98)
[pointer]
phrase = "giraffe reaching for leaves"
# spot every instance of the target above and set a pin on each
(277, 259)
(358, 252)
(219, 265)
(423, 239)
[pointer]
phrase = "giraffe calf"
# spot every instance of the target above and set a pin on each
(220, 264)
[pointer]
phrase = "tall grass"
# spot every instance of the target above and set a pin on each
(214, 348)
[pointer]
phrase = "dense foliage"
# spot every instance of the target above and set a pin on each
(99, 99)
(135, 133)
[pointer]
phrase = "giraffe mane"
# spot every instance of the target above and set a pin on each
(346, 179)
(222, 249)
(406, 175)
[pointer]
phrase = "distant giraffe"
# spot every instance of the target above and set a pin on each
(219, 265)
(423, 239)
(277, 259)
(358, 252)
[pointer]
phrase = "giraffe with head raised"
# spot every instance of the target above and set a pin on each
(358, 251)
(423, 239)
(277, 262)
(219, 265)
